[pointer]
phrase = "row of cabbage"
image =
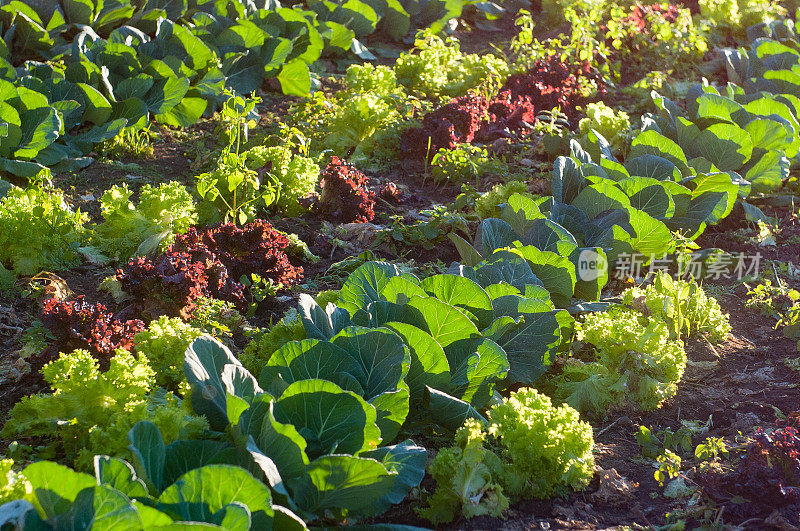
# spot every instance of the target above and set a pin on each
(112, 65)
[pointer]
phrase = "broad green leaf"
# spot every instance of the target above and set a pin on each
(504, 266)
(445, 323)
(400, 289)
(200, 493)
(653, 143)
(381, 355)
(529, 344)
(727, 146)
(652, 237)
(652, 166)
(295, 78)
(99, 507)
(341, 482)
(147, 447)
(39, 128)
(119, 475)
(98, 109)
(328, 418)
(55, 486)
(186, 113)
(244, 72)
(493, 234)
(567, 180)
(462, 293)
(428, 366)
(556, 273)
(392, 408)
(212, 371)
(310, 358)
(448, 411)
(409, 461)
(547, 235)
(280, 442)
(365, 284)
(182, 456)
(600, 197)
(492, 366)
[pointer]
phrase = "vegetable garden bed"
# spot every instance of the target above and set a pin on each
(397, 265)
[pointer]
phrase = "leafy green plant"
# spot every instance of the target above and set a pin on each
(232, 192)
(631, 358)
(91, 411)
(164, 343)
(298, 175)
(734, 16)
(259, 350)
(468, 478)
(727, 131)
(362, 122)
(428, 232)
(669, 467)
(223, 496)
(437, 69)
(711, 449)
(40, 231)
(517, 455)
(654, 34)
(488, 204)
(13, 485)
(779, 301)
(464, 163)
(613, 125)
(129, 143)
(683, 305)
(129, 230)
(217, 317)
(323, 441)
(653, 444)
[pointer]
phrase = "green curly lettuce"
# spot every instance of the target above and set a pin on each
(260, 349)
(529, 449)
(162, 212)
(367, 77)
(13, 485)
(39, 231)
(683, 304)
(298, 175)
(364, 121)
(487, 205)
(164, 344)
(465, 477)
(437, 69)
(737, 15)
(548, 449)
(612, 125)
(91, 411)
(634, 359)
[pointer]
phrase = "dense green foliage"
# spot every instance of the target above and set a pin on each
(94, 410)
(631, 358)
(129, 229)
(163, 344)
(40, 231)
(683, 305)
(529, 449)
(205, 420)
